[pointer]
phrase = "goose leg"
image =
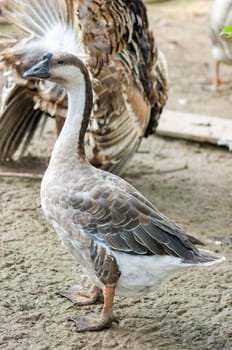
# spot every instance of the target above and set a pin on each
(216, 83)
(91, 322)
(80, 296)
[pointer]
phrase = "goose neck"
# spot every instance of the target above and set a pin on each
(69, 146)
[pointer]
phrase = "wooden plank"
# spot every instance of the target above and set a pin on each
(3, 20)
(27, 176)
(196, 127)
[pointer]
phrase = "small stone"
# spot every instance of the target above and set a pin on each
(216, 240)
(210, 339)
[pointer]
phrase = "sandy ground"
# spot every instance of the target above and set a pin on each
(190, 183)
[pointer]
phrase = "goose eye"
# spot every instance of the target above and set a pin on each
(61, 62)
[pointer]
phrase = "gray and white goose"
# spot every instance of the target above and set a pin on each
(123, 243)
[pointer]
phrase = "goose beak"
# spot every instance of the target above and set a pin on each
(41, 70)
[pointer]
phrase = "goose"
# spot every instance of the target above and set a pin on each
(128, 74)
(124, 245)
(220, 16)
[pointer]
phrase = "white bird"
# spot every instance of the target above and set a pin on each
(123, 243)
(220, 16)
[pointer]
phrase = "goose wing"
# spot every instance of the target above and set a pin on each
(115, 213)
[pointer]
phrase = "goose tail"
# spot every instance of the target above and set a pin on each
(204, 257)
(207, 258)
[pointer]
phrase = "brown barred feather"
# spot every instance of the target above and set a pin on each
(18, 122)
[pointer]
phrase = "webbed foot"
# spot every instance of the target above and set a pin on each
(92, 322)
(96, 323)
(215, 85)
(80, 296)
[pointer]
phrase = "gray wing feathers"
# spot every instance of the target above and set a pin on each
(127, 224)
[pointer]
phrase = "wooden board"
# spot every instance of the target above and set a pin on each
(196, 127)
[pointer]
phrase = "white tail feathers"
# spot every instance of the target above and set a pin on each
(37, 17)
(52, 24)
(208, 258)
(204, 258)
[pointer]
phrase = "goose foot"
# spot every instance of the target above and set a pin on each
(80, 296)
(92, 322)
(215, 85)
(96, 323)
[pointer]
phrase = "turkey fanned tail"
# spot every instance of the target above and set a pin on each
(128, 72)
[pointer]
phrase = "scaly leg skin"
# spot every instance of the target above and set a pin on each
(80, 296)
(92, 322)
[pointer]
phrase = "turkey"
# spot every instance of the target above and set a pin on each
(128, 75)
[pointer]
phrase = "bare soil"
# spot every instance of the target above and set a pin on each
(189, 182)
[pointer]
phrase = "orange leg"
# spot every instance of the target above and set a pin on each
(91, 322)
(216, 83)
(80, 296)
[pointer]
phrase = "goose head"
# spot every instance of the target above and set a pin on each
(64, 69)
(70, 72)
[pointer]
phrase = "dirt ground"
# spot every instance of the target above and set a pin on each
(189, 182)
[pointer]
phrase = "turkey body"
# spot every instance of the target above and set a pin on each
(128, 73)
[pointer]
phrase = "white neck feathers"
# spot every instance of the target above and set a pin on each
(65, 149)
